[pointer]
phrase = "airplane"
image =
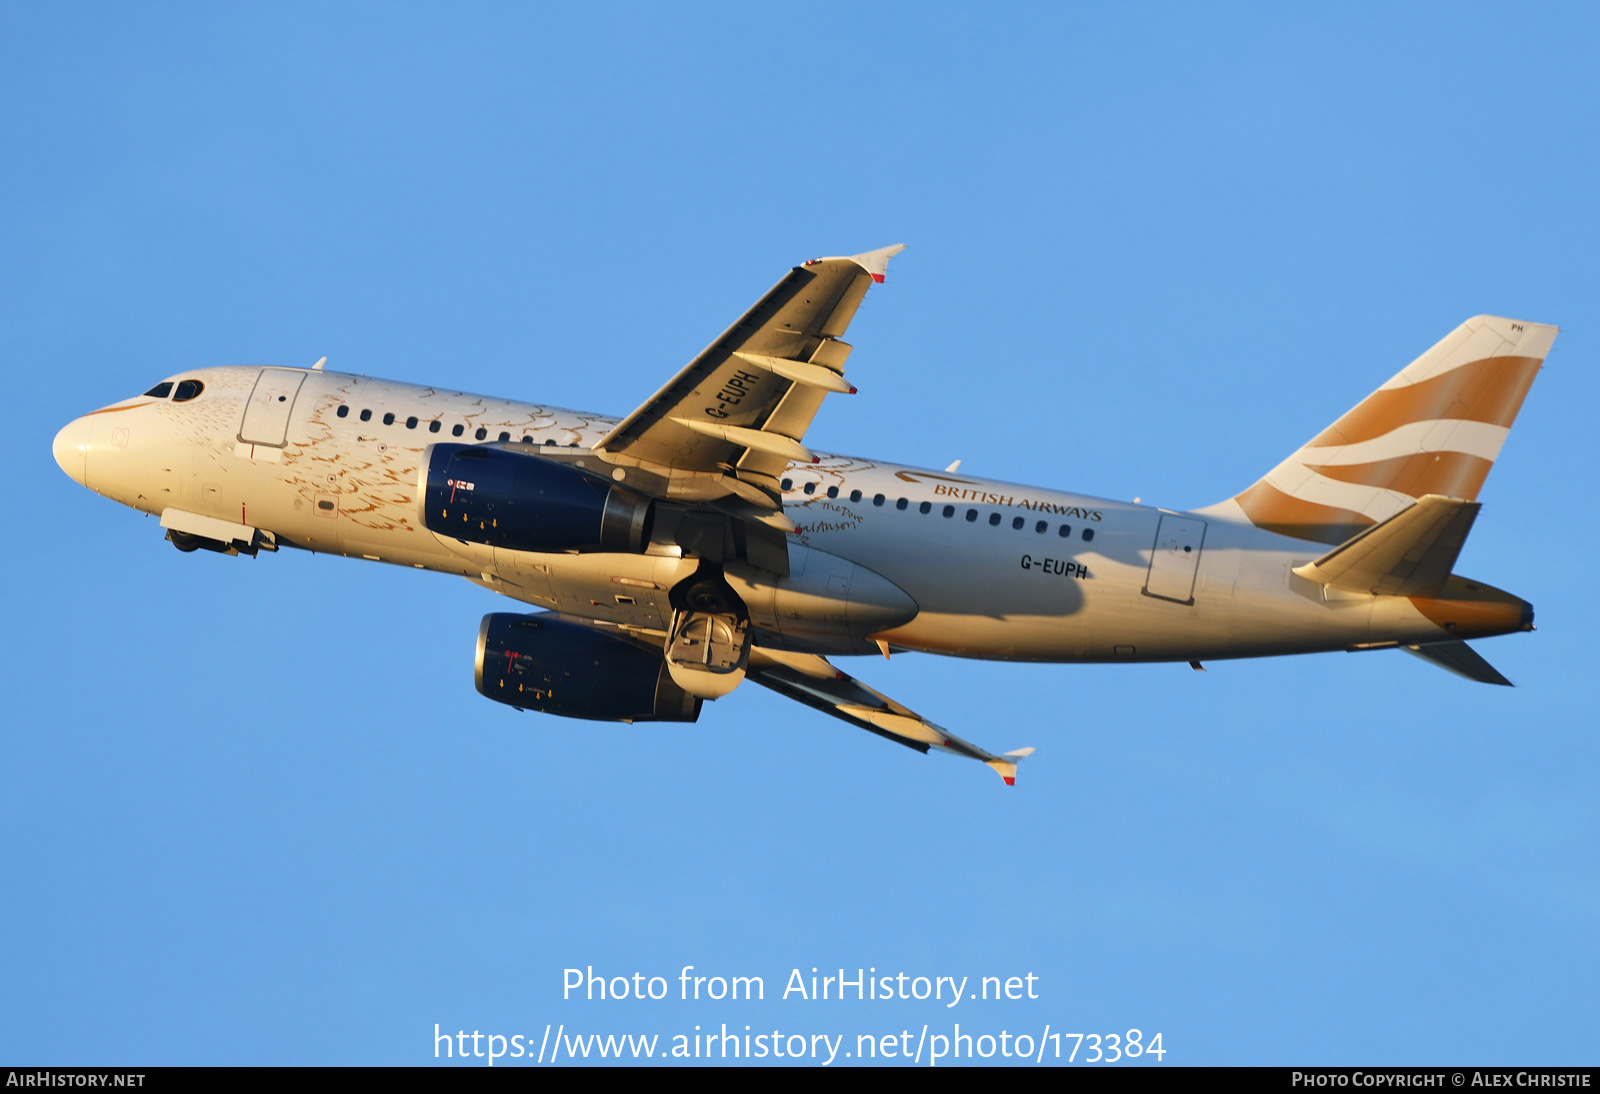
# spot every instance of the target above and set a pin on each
(698, 542)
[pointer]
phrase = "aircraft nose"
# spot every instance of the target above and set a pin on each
(71, 450)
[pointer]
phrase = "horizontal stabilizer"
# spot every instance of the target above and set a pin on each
(1461, 659)
(1410, 554)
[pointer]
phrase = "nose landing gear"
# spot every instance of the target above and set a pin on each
(186, 542)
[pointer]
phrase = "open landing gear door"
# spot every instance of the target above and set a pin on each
(707, 654)
(708, 648)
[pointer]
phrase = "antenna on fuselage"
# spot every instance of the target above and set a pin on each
(318, 366)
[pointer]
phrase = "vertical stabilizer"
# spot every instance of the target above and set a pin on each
(1436, 428)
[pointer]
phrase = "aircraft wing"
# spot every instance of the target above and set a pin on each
(812, 680)
(740, 409)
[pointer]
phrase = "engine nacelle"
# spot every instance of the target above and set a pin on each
(546, 663)
(528, 503)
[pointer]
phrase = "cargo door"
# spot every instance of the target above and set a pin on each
(1175, 558)
(266, 415)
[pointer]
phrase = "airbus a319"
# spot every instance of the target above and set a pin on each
(698, 543)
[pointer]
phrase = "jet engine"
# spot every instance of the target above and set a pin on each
(527, 503)
(546, 663)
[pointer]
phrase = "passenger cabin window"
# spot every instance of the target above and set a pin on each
(411, 422)
(457, 429)
(481, 433)
(1066, 530)
(366, 415)
(833, 491)
(810, 488)
(187, 389)
(877, 499)
(435, 425)
(1016, 522)
(786, 485)
(504, 437)
(901, 504)
(343, 411)
(388, 419)
(949, 510)
(994, 519)
(972, 514)
(1041, 527)
(1088, 534)
(925, 508)
(855, 495)
(160, 391)
(527, 440)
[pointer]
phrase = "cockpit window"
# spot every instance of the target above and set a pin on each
(160, 391)
(187, 389)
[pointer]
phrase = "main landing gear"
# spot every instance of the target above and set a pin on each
(708, 647)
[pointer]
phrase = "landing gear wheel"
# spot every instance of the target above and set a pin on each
(713, 597)
(708, 593)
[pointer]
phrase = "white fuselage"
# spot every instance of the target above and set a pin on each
(995, 578)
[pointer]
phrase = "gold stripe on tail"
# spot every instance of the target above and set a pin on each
(1453, 474)
(1272, 509)
(1490, 390)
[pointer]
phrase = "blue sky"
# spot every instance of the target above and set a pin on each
(254, 811)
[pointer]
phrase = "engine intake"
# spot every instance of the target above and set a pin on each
(528, 503)
(546, 663)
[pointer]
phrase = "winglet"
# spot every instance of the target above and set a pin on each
(876, 262)
(1006, 765)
